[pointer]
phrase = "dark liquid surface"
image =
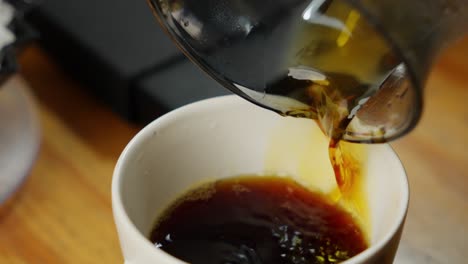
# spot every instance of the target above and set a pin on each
(257, 220)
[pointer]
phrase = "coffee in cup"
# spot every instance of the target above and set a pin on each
(215, 139)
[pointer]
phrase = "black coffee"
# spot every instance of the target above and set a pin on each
(257, 220)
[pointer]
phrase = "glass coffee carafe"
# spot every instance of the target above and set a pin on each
(357, 66)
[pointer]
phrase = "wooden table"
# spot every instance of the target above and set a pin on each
(62, 214)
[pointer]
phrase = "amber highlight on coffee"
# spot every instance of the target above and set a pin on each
(257, 220)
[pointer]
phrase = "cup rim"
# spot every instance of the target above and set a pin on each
(146, 133)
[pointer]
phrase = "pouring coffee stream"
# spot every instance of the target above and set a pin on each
(357, 67)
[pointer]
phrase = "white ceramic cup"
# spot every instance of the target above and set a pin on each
(224, 137)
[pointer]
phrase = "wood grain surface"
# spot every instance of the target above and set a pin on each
(62, 213)
(435, 155)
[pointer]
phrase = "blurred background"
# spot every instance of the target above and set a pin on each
(121, 55)
(98, 71)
